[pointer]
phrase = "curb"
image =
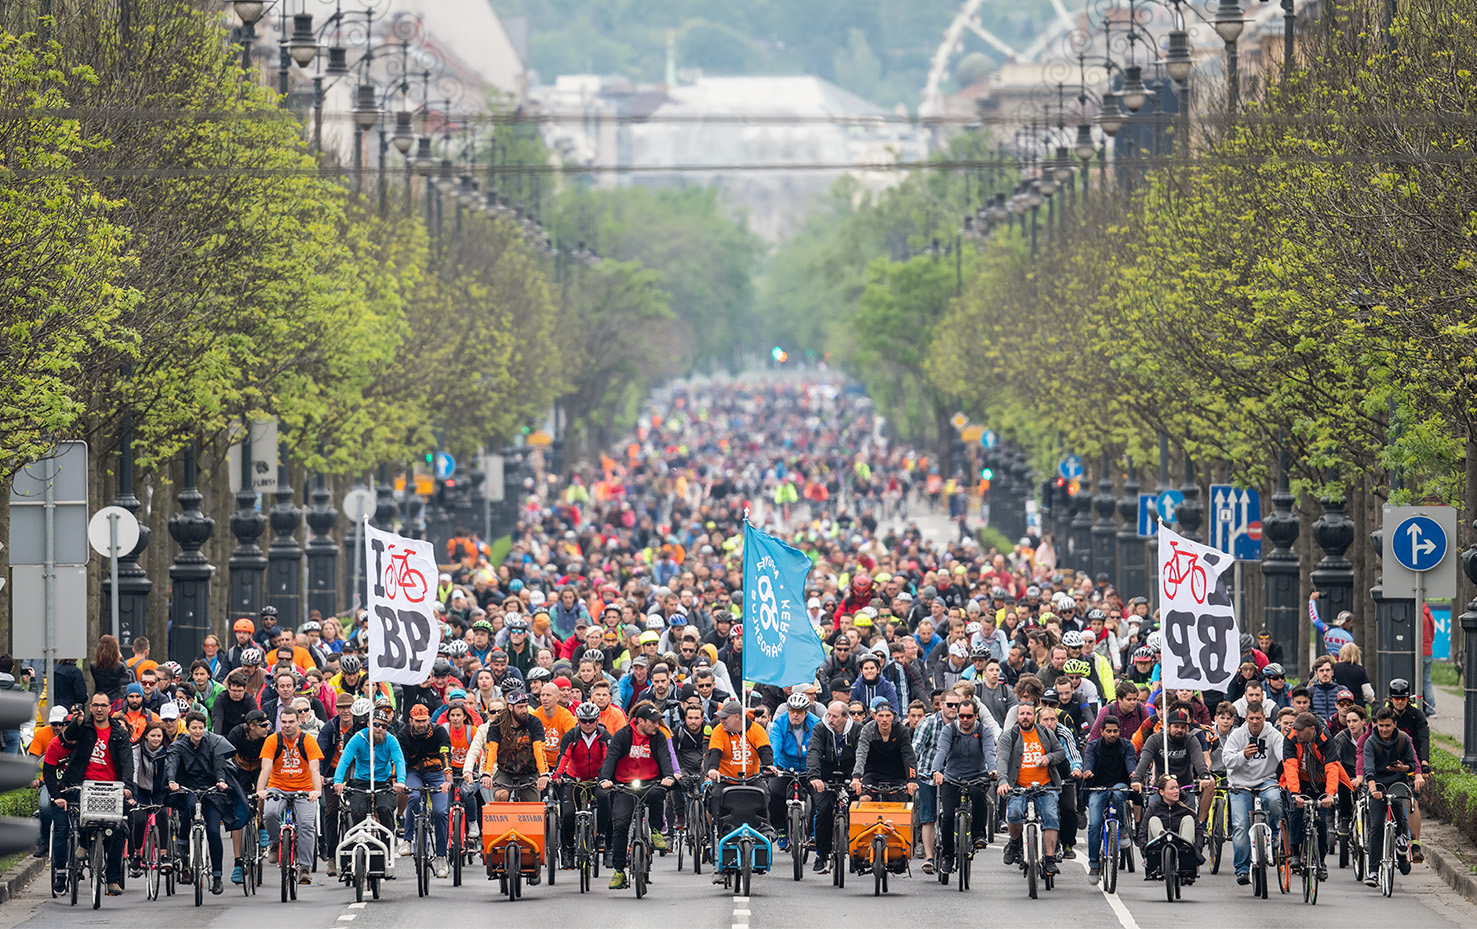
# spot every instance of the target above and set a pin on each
(1451, 870)
(14, 881)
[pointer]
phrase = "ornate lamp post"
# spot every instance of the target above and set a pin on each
(189, 605)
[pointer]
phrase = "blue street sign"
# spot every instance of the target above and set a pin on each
(1167, 503)
(1236, 521)
(1420, 543)
(1070, 467)
(1148, 526)
(445, 465)
(988, 438)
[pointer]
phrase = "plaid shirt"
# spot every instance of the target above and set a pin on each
(926, 742)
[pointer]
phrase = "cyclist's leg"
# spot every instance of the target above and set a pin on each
(213, 821)
(440, 807)
(1047, 805)
(825, 822)
(655, 802)
(413, 783)
(272, 817)
(1241, 804)
(1376, 837)
(113, 849)
(926, 803)
(979, 798)
(1097, 805)
(948, 806)
(1068, 813)
(623, 805)
(566, 817)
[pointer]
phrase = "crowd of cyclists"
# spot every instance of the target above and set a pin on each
(606, 649)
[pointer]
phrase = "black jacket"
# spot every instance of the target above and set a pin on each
(197, 767)
(111, 681)
(83, 736)
(226, 714)
(71, 686)
(823, 762)
(620, 747)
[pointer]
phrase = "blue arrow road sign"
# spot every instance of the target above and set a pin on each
(445, 465)
(1236, 521)
(1147, 524)
(1419, 544)
(988, 438)
(1167, 503)
(1070, 467)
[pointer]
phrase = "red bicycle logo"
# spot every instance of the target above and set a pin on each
(407, 580)
(1181, 567)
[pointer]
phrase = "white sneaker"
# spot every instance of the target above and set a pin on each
(439, 866)
(403, 849)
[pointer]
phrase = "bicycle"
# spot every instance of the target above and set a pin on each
(1391, 853)
(1218, 822)
(964, 845)
(253, 850)
(1114, 852)
(400, 578)
(287, 842)
(95, 813)
(1259, 835)
(1178, 863)
(423, 835)
(797, 820)
(840, 832)
(158, 865)
(697, 828)
(586, 855)
(638, 855)
(456, 834)
(365, 848)
(1182, 567)
(197, 858)
(1033, 855)
(1312, 847)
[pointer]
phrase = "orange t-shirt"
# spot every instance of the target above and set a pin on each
(613, 718)
(41, 741)
(290, 770)
(555, 725)
(1033, 761)
(739, 754)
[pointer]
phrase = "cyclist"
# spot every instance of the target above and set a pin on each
(331, 739)
(1107, 762)
(101, 750)
(965, 752)
(830, 759)
(1253, 757)
(884, 757)
(789, 737)
(581, 755)
(1168, 811)
(1335, 635)
(925, 747)
(515, 743)
(1186, 758)
(427, 750)
(1027, 756)
(1410, 720)
(1389, 758)
(194, 763)
(350, 678)
(389, 764)
(637, 753)
(1312, 771)
(289, 764)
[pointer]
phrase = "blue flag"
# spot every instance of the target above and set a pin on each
(780, 645)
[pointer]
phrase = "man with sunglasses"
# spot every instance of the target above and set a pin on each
(966, 750)
(925, 748)
(830, 759)
(1275, 691)
(388, 761)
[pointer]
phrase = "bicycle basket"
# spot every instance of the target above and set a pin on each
(102, 802)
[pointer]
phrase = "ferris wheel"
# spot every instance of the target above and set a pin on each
(968, 19)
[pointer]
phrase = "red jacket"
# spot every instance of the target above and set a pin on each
(578, 760)
(854, 600)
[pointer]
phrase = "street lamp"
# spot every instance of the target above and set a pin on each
(1061, 169)
(1084, 148)
(1228, 21)
(303, 46)
(445, 179)
(404, 138)
(366, 111)
(249, 11)
(1134, 94)
(424, 162)
(1110, 117)
(1177, 60)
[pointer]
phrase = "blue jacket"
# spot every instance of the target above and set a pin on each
(1325, 698)
(782, 739)
(882, 687)
(1095, 748)
(387, 754)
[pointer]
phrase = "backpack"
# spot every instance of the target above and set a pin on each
(301, 748)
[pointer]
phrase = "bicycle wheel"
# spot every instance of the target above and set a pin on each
(151, 861)
(1387, 865)
(551, 845)
(879, 864)
(838, 850)
(1284, 862)
(418, 861)
(1259, 871)
(1217, 833)
(284, 865)
(746, 869)
(99, 872)
(963, 845)
(1033, 859)
(636, 868)
(1312, 854)
(198, 860)
(455, 826)
(1108, 860)
(992, 819)
(797, 842)
(1169, 864)
(361, 872)
(249, 839)
(513, 868)
(74, 871)
(1343, 840)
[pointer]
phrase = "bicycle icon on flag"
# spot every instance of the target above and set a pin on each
(1184, 566)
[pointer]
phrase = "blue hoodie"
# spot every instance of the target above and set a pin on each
(787, 754)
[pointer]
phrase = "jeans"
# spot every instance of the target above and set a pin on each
(211, 810)
(1046, 809)
(1241, 822)
(440, 804)
(304, 817)
(979, 800)
(926, 802)
(13, 736)
(1097, 807)
(1377, 825)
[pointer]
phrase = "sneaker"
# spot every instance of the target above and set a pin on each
(262, 839)
(928, 866)
(618, 880)
(1067, 854)
(658, 841)
(1093, 874)
(185, 877)
(1372, 881)
(1051, 867)
(305, 879)
(1415, 853)
(1322, 871)
(215, 885)
(438, 865)
(238, 873)
(40, 852)
(115, 890)
(535, 878)
(59, 884)
(1123, 840)
(1012, 851)
(403, 849)
(333, 866)
(1403, 864)
(134, 871)
(821, 865)
(782, 843)
(608, 860)
(1295, 862)
(720, 879)
(1243, 879)
(946, 864)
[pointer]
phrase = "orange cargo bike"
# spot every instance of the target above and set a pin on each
(881, 836)
(518, 840)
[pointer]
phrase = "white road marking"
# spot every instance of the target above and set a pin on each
(347, 917)
(358, 906)
(1125, 918)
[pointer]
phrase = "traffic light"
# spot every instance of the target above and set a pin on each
(431, 460)
(16, 772)
(987, 473)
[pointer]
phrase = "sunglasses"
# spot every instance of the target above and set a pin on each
(966, 716)
(953, 706)
(381, 726)
(857, 713)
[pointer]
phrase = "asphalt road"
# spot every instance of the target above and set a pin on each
(777, 901)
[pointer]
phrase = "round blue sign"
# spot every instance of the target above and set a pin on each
(1420, 543)
(1070, 467)
(445, 465)
(1167, 503)
(988, 438)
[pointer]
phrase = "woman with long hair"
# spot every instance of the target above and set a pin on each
(214, 658)
(333, 635)
(109, 674)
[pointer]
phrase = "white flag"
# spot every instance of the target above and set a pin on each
(1201, 647)
(404, 633)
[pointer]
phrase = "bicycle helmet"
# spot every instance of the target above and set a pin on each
(538, 676)
(1247, 642)
(1096, 613)
(799, 702)
(458, 648)
(1072, 639)
(252, 658)
(587, 712)
(973, 629)
(1143, 653)
(174, 669)
(654, 624)
(1273, 669)
(1400, 687)
(1063, 602)
(998, 593)
(484, 625)
(311, 626)
(361, 708)
(1155, 639)
(349, 664)
(1076, 666)
(979, 651)
(441, 668)
(444, 649)
(593, 654)
(677, 619)
(243, 625)
(268, 611)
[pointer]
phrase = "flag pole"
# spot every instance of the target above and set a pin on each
(743, 687)
(369, 673)
(1163, 690)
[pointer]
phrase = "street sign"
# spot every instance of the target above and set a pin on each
(1070, 467)
(64, 475)
(988, 438)
(1148, 526)
(1236, 521)
(28, 607)
(1166, 504)
(972, 433)
(445, 465)
(263, 459)
(1418, 541)
(492, 487)
(358, 504)
(959, 420)
(98, 533)
(540, 439)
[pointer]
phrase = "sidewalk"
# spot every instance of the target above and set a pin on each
(1448, 720)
